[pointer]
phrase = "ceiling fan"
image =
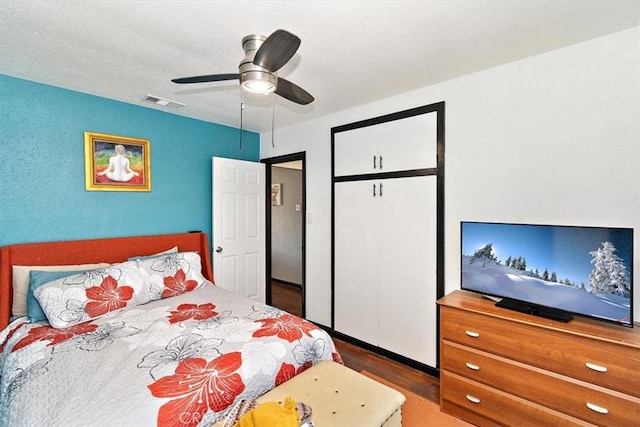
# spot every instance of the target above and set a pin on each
(258, 71)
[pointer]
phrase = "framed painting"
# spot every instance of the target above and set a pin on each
(276, 195)
(116, 163)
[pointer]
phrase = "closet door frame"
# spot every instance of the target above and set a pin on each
(439, 172)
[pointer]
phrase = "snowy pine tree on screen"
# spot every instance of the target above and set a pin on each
(484, 254)
(609, 274)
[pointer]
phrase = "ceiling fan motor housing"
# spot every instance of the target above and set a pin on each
(250, 72)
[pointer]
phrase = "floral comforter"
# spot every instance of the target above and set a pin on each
(180, 361)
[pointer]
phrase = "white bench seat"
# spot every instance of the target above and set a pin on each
(342, 397)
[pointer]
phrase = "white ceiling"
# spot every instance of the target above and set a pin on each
(352, 52)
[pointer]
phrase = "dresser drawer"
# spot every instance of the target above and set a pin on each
(608, 364)
(484, 405)
(574, 397)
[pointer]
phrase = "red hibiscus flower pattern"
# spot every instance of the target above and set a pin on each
(196, 387)
(10, 334)
(288, 371)
(287, 327)
(107, 297)
(55, 336)
(176, 285)
(193, 311)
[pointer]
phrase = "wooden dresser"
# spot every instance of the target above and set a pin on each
(500, 367)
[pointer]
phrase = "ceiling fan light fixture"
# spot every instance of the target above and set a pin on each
(259, 82)
(259, 86)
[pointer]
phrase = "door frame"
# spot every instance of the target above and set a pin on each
(269, 162)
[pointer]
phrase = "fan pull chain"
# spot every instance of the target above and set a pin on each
(241, 114)
(273, 120)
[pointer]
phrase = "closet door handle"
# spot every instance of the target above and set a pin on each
(380, 162)
(374, 162)
(374, 190)
(381, 183)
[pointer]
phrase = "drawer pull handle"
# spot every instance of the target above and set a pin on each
(598, 409)
(472, 366)
(472, 399)
(596, 367)
(472, 334)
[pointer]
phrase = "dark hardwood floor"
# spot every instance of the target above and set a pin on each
(286, 297)
(411, 379)
(289, 298)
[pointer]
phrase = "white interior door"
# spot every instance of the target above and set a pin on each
(239, 226)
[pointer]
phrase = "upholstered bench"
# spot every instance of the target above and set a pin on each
(341, 397)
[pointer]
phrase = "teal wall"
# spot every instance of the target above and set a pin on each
(42, 175)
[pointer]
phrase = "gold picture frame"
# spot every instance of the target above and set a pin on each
(116, 163)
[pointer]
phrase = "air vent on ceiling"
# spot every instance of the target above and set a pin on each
(163, 102)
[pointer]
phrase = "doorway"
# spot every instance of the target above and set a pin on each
(285, 232)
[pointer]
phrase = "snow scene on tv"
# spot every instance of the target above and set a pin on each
(580, 270)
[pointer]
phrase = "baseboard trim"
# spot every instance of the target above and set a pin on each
(285, 283)
(434, 372)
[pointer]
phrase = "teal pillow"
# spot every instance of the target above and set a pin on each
(38, 278)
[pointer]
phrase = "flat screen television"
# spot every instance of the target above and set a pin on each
(551, 271)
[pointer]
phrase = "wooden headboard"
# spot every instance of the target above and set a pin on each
(111, 250)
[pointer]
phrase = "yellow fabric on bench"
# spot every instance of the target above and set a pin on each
(272, 414)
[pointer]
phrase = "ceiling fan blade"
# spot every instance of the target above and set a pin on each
(208, 78)
(276, 50)
(293, 92)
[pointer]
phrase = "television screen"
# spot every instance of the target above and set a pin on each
(565, 270)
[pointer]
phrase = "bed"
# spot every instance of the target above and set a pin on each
(134, 332)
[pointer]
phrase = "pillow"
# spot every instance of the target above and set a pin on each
(38, 278)
(71, 300)
(170, 275)
(172, 250)
(20, 282)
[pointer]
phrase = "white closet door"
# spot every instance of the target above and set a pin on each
(356, 269)
(354, 151)
(409, 143)
(407, 278)
(405, 144)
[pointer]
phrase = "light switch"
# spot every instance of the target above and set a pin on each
(298, 207)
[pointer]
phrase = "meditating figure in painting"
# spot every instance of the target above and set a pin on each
(119, 169)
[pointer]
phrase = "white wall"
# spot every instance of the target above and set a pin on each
(286, 227)
(553, 139)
